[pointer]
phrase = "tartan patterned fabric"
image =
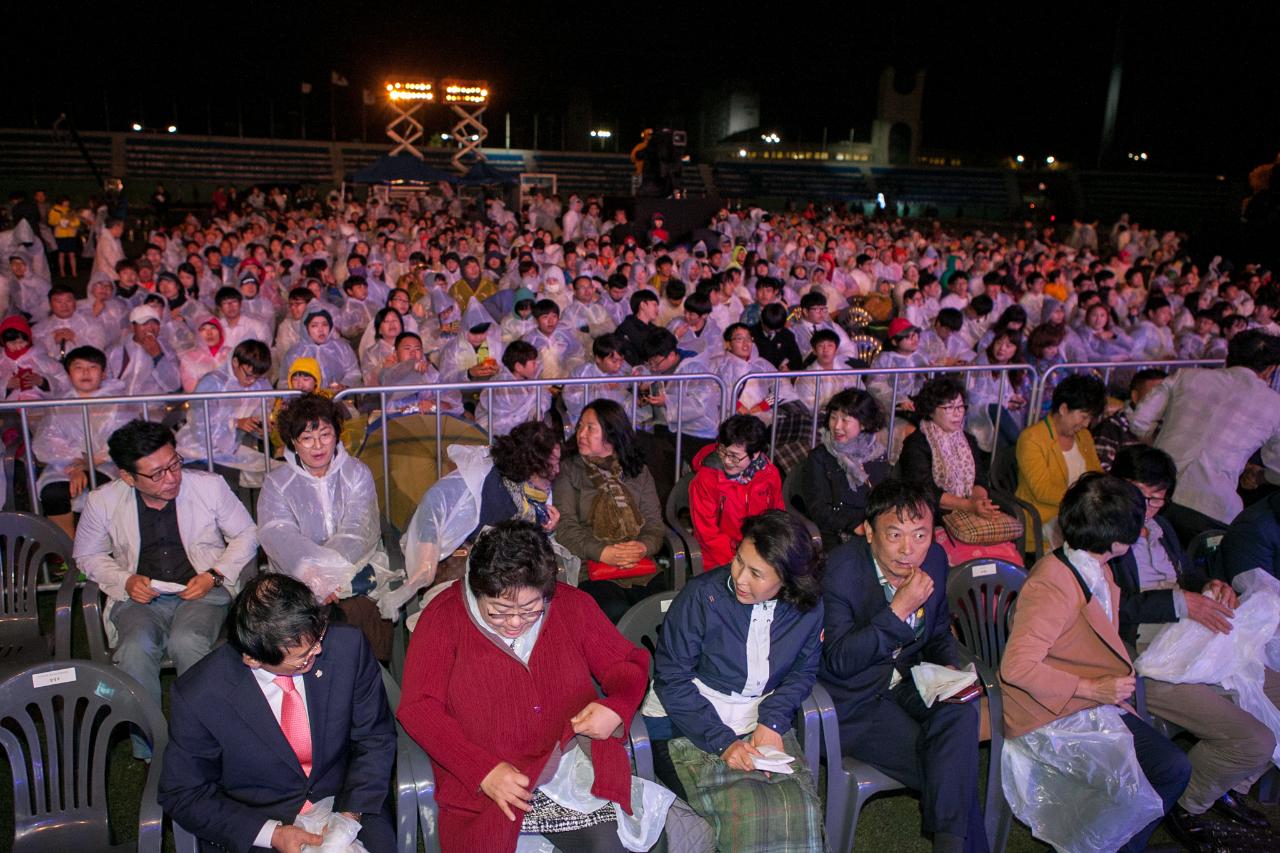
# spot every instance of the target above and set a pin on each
(749, 813)
(974, 529)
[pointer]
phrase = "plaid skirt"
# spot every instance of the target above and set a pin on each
(749, 813)
(550, 816)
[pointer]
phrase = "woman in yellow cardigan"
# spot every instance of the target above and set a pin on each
(1053, 453)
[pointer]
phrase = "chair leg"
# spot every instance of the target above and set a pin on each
(1269, 787)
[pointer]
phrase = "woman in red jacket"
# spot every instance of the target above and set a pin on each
(497, 686)
(732, 480)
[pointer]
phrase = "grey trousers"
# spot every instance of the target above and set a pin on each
(1234, 748)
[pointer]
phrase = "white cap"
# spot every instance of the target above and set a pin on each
(143, 313)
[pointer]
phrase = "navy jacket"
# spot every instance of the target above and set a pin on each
(228, 768)
(704, 636)
(1252, 541)
(1154, 607)
(861, 633)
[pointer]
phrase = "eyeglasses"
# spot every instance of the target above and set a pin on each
(315, 439)
(738, 459)
(160, 473)
(954, 407)
(524, 617)
(312, 651)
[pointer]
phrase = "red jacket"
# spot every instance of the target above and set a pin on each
(471, 705)
(719, 506)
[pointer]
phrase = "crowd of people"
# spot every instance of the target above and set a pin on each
(518, 564)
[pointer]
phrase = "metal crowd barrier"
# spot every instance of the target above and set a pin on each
(679, 379)
(146, 401)
(1107, 367)
(894, 372)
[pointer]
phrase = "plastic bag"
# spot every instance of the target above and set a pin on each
(1186, 652)
(1077, 783)
(339, 831)
(638, 831)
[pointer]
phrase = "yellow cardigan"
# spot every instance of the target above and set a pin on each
(1042, 467)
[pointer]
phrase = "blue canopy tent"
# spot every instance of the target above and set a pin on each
(401, 169)
(481, 174)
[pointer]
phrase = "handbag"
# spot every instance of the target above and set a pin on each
(598, 571)
(975, 529)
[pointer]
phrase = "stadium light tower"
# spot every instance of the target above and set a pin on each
(406, 99)
(468, 99)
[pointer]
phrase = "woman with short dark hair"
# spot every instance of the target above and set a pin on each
(732, 479)
(738, 653)
(1066, 672)
(942, 454)
(837, 476)
(610, 517)
(499, 681)
(318, 519)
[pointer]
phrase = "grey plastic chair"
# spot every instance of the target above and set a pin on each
(1004, 486)
(26, 542)
(57, 740)
(1202, 552)
(981, 595)
(679, 518)
(795, 504)
(643, 621)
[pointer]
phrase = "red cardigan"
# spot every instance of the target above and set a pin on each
(472, 705)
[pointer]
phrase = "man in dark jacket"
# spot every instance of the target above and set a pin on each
(886, 611)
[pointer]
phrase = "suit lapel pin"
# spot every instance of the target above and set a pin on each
(319, 673)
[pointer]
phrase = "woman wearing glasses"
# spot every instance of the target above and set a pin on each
(318, 519)
(499, 689)
(732, 480)
(942, 455)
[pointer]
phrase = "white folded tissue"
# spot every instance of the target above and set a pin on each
(167, 587)
(941, 682)
(773, 760)
(339, 831)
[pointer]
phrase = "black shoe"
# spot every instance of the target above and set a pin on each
(1197, 833)
(1238, 808)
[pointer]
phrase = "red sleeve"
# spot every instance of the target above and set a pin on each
(775, 488)
(704, 508)
(423, 710)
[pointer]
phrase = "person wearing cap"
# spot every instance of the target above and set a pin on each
(338, 362)
(26, 372)
(142, 362)
(474, 354)
(28, 292)
(253, 304)
(902, 351)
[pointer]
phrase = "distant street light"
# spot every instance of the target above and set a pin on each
(1020, 159)
(1050, 160)
(137, 127)
(601, 134)
(173, 128)
(770, 138)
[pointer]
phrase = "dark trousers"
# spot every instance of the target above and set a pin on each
(616, 600)
(1187, 522)
(1166, 767)
(930, 750)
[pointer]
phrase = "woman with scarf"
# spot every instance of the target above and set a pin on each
(733, 479)
(610, 516)
(378, 350)
(942, 455)
(837, 476)
(207, 353)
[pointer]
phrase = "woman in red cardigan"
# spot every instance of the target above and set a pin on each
(497, 686)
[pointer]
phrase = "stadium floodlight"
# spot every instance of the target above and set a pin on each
(742, 152)
(137, 127)
(1020, 159)
(601, 134)
(472, 92)
(1050, 160)
(770, 138)
(173, 128)
(1143, 155)
(420, 90)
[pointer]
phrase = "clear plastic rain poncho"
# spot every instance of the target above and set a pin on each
(1186, 652)
(59, 438)
(458, 355)
(227, 450)
(324, 530)
(445, 517)
(512, 405)
(337, 360)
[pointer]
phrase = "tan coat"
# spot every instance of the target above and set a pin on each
(1056, 640)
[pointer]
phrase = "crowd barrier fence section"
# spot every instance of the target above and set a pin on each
(1108, 367)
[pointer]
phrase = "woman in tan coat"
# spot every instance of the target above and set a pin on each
(1065, 656)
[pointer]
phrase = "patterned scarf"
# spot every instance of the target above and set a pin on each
(954, 470)
(614, 515)
(530, 501)
(854, 454)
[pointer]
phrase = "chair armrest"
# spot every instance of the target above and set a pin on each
(691, 548)
(809, 730)
(679, 557)
(424, 782)
(1010, 503)
(91, 607)
(406, 793)
(641, 748)
(62, 618)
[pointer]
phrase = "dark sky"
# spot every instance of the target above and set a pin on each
(1199, 90)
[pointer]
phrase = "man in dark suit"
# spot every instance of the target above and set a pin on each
(886, 611)
(290, 711)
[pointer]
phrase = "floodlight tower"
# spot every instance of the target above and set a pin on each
(468, 99)
(404, 129)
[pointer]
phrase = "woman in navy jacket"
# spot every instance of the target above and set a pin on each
(738, 653)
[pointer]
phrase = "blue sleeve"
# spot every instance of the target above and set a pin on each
(679, 651)
(778, 709)
(371, 753)
(1249, 545)
(847, 650)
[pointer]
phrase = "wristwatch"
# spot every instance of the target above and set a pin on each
(218, 579)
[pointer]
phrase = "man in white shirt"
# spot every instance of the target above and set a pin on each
(1212, 421)
(110, 250)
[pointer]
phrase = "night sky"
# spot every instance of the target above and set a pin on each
(1199, 90)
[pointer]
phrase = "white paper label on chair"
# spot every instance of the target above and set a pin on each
(53, 676)
(981, 571)
(665, 605)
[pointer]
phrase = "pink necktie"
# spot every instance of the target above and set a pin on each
(293, 721)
